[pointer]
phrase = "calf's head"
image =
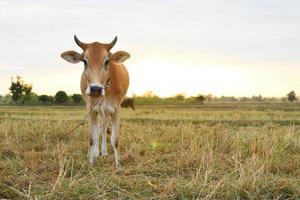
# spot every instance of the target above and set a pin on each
(96, 58)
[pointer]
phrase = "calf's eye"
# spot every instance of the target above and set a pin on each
(85, 61)
(106, 61)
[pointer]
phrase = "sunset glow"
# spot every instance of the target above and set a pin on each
(209, 47)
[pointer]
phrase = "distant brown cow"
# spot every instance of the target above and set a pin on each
(128, 102)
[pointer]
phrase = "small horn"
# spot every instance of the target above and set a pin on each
(79, 43)
(112, 44)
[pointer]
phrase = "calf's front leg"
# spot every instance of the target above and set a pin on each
(94, 137)
(114, 139)
(104, 131)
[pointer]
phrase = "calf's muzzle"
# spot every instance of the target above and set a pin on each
(96, 90)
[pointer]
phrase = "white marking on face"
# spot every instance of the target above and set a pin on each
(88, 90)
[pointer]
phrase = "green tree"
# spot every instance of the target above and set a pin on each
(76, 98)
(61, 97)
(18, 89)
(200, 98)
(27, 89)
(291, 96)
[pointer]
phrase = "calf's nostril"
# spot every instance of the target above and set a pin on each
(96, 88)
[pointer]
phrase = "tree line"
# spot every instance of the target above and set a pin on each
(21, 93)
(150, 98)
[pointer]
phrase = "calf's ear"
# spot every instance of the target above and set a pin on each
(119, 56)
(72, 56)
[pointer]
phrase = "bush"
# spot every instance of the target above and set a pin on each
(179, 97)
(61, 97)
(291, 96)
(46, 99)
(5, 99)
(30, 99)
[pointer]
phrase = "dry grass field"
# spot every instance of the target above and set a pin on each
(214, 151)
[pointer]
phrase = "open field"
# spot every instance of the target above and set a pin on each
(215, 151)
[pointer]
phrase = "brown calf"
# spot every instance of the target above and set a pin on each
(101, 66)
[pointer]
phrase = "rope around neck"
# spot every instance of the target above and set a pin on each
(100, 98)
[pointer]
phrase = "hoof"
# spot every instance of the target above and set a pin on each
(90, 161)
(118, 166)
(104, 154)
(95, 154)
(92, 157)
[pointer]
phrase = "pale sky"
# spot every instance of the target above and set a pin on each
(239, 48)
